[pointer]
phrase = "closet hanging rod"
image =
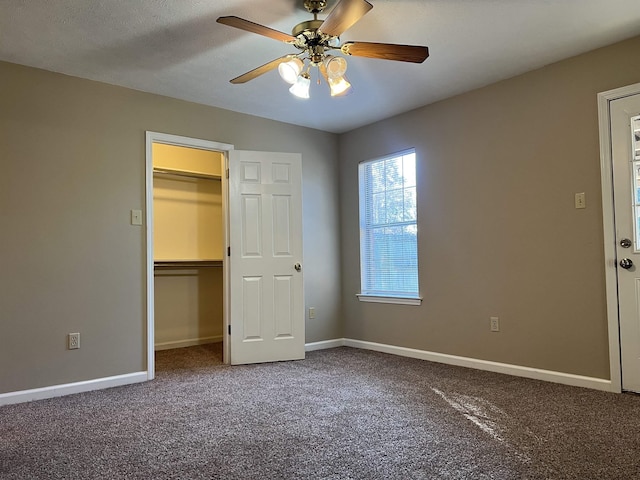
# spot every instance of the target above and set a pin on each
(187, 264)
(181, 173)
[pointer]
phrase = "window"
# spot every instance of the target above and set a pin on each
(635, 148)
(389, 230)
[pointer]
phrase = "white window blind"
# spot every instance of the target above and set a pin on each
(388, 227)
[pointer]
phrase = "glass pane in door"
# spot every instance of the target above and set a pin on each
(635, 134)
(635, 149)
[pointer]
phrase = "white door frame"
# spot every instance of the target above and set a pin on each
(608, 219)
(168, 139)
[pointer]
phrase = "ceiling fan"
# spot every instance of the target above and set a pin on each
(317, 40)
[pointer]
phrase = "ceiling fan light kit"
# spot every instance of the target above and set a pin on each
(289, 71)
(315, 38)
(301, 87)
(336, 66)
(339, 86)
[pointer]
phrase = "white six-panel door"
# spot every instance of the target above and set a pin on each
(266, 288)
(625, 146)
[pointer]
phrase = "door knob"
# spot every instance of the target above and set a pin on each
(626, 263)
(298, 267)
(625, 243)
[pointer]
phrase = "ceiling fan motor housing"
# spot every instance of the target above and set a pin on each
(308, 28)
(309, 39)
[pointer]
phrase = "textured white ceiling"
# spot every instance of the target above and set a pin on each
(176, 48)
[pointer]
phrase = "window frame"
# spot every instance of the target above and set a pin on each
(391, 298)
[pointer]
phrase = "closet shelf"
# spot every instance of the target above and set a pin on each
(185, 173)
(186, 263)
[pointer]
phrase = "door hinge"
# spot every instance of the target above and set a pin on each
(229, 329)
(227, 173)
(228, 251)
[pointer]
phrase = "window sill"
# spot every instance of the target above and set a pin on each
(394, 300)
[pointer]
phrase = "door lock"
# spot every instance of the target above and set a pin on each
(625, 243)
(626, 263)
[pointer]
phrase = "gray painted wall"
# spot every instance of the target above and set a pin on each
(499, 235)
(72, 158)
(498, 168)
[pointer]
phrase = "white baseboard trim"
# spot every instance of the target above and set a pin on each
(310, 347)
(189, 342)
(70, 388)
(515, 370)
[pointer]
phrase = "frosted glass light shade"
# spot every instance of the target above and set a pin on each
(290, 70)
(301, 88)
(339, 86)
(336, 66)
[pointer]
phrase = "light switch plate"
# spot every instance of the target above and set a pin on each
(136, 217)
(581, 201)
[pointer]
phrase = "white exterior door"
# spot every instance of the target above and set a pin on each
(625, 143)
(266, 288)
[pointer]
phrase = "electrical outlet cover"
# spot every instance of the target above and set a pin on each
(73, 341)
(495, 324)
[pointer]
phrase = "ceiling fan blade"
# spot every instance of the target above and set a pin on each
(343, 15)
(267, 67)
(386, 51)
(252, 27)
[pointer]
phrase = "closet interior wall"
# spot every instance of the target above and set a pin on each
(188, 244)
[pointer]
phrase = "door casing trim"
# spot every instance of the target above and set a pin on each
(168, 139)
(609, 227)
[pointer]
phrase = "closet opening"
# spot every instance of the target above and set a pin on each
(187, 231)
